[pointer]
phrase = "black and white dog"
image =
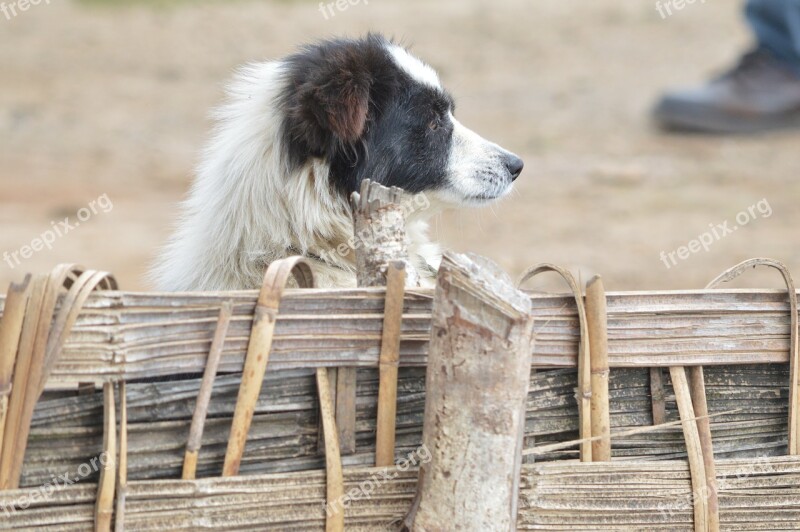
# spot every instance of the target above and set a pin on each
(294, 140)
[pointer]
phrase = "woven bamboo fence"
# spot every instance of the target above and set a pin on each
(644, 411)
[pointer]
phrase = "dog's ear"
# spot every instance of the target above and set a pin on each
(331, 100)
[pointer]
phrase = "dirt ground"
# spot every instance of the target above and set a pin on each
(112, 99)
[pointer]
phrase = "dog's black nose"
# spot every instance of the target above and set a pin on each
(514, 165)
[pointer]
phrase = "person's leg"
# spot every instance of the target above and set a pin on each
(761, 93)
(776, 24)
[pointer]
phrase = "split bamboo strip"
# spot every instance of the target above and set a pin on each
(41, 319)
(130, 336)
(657, 396)
(66, 508)
(760, 494)
(122, 474)
(596, 319)
(201, 408)
(57, 330)
(52, 329)
(640, 430)
(10, 330)
(697, 391)
(104, 511)
(587, 497)
(259, 350)
(584, 391)
(67, 429)
(694, 450)
(345, 407)
(389, 365)
(794, 340)
(11, 458)
(334, 476)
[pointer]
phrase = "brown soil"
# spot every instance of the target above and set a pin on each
(114, 100)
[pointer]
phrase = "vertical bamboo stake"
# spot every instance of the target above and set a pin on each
(21, 382)
(697, 390)
(657, 396)
(204, 395)
(476, 390)
(122, 478)
(584, 391)
(597, 322)
(10, 330)
(345, 405)
(694, 449)
(389, 364)
(258, 351)
(334, 521)
(104, 509)
(794, 338)
(380, 238)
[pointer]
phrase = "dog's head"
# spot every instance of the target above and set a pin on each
(371, 110)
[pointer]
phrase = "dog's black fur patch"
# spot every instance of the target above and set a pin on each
(349, 103)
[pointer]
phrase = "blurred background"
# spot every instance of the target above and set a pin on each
(112, 98)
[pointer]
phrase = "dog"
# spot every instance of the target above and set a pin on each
(295, 139)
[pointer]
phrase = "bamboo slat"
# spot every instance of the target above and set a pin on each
(284, 434)
(122, 335)
(204, 395)
(754, 495)
(596, 320)
(389, 365)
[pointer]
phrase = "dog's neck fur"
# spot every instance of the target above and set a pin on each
(247, 208)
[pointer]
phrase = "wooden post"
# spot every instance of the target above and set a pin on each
(380, 239)
(476, 388)
(380, 233)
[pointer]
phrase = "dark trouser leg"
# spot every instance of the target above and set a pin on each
(776, 24)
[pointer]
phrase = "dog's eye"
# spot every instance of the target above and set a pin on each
(435, 124)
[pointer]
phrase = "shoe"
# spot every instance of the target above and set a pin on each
(759, 94)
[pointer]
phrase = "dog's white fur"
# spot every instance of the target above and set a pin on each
(247, 208)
